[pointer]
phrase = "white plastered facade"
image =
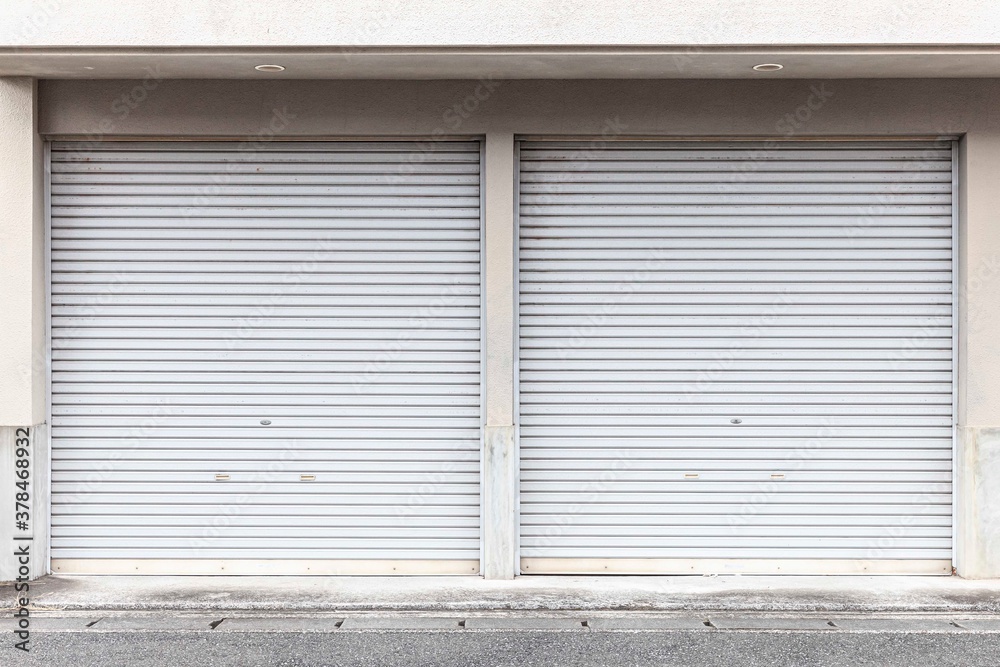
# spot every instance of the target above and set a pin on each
(500, 111)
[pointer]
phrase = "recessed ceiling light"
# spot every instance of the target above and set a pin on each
(269, 68)
(87, 67)
(768, 67)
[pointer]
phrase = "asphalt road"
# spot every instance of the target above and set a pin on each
(513, 648)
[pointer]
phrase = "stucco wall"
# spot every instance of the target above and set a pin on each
(22, 358)
(499, 109)
(793, 108)
(150, 23)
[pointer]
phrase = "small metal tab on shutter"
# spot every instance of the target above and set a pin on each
(266, 358)
(736, 357)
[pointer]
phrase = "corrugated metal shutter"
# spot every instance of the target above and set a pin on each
(736, 352)
(266, 352)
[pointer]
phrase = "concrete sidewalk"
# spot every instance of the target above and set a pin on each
(788, 594)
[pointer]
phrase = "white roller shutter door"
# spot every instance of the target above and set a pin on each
(736, 357)
(266, 358)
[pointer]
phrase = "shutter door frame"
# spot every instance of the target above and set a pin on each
(700, 565)
(278, 566)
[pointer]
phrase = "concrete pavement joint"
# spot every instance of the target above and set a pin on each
(771, 623)
(163, 623)
(278, 624)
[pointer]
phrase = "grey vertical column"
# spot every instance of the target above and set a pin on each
(499, 454)
(22, 331)
(978, 420)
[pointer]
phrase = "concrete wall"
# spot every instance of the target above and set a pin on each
(306, 23)
(22, 331)
(31, 445)
(23, 370)
(501, 109)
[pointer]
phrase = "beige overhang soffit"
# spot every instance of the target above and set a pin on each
(535, 62)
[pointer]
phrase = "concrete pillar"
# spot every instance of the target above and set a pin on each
(500, 466)
(977, 495)
(22, 330)
(24, 448)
